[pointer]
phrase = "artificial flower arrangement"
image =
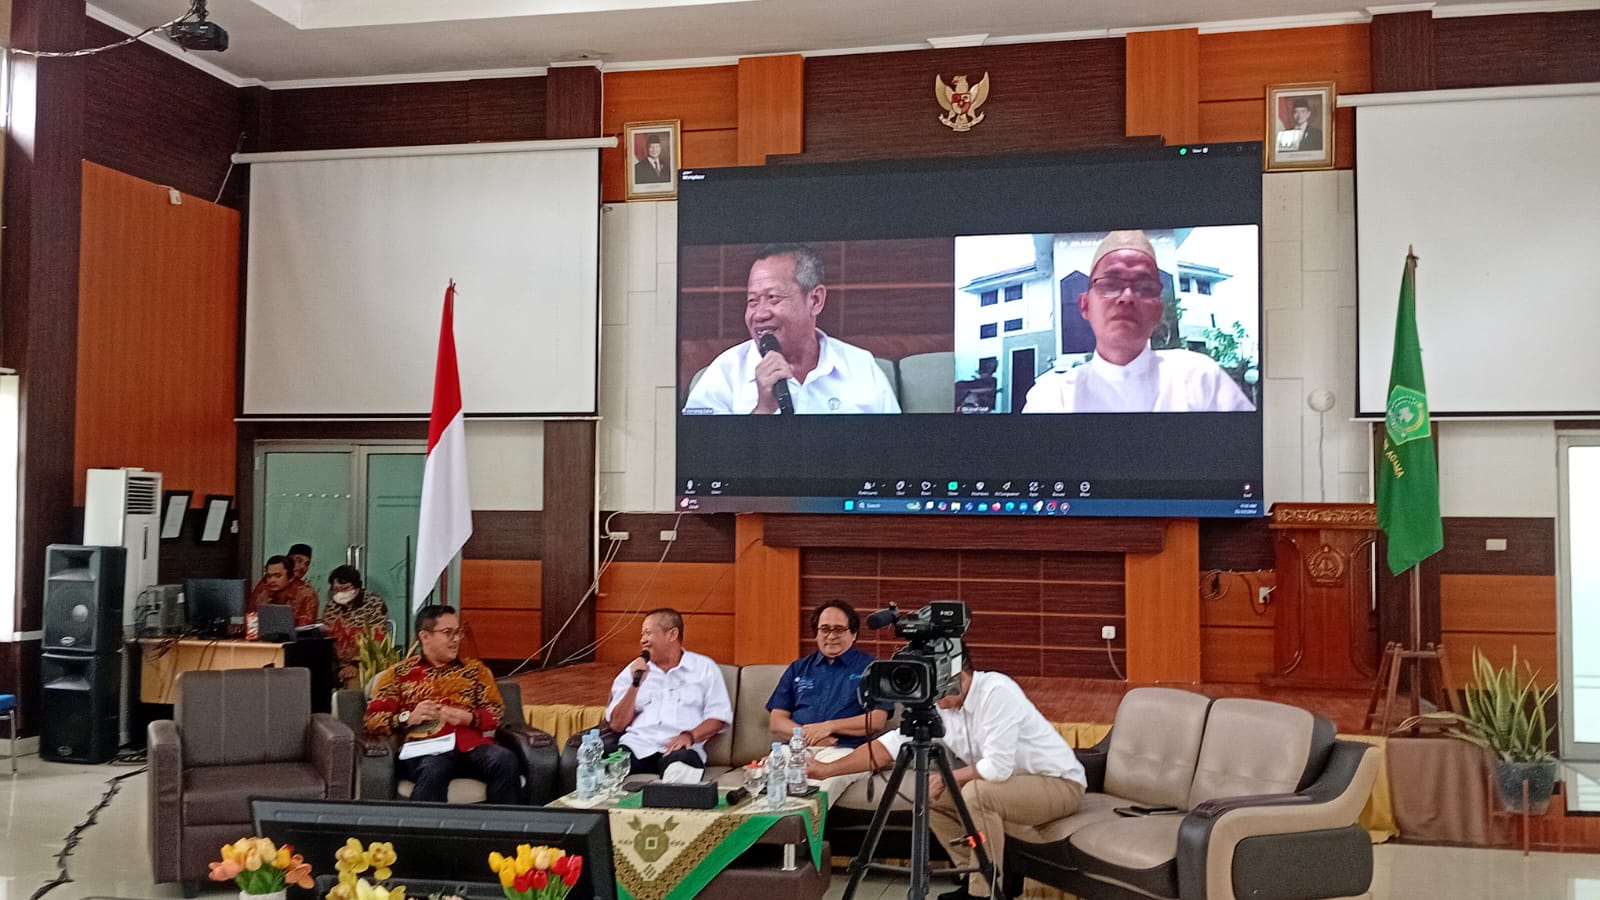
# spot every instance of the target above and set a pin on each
(351, 860)
(536, 873)
(258, 867)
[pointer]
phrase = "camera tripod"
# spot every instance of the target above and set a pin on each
(922, 724)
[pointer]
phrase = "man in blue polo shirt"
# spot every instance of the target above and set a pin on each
(818, 692)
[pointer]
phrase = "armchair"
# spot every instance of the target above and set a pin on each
(236, 734)
(375, 772)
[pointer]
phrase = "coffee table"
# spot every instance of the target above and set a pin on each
(729, 853)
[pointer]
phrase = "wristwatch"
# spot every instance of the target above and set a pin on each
(404, 717)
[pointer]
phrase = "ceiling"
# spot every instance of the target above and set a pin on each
(285, 43)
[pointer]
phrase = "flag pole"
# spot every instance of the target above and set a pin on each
(1416, 607)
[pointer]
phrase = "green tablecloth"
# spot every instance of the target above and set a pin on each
(671, 854)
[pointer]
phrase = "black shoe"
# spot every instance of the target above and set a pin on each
(960, 893)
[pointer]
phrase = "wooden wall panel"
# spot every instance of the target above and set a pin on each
(505, 534)
(766, 599)
(390, 115)
(1163, 611)
(711, 634)
(705, 101)
(1530, 48)
(1402, 52)
(771, 107)
(155, 118)
(702, 538)
(1042, 97)
(1163, 85)
(1514, 604)
(1234, 655)
(1539, 649)
(157, 325)
(1238, 65)
(569, 509)
(906, 532)
(686, 587)
(1236, 636)
(500, 601)
(1236, 68)
(1530, 546)
(572, 101)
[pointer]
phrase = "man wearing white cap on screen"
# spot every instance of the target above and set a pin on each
(1123, 307)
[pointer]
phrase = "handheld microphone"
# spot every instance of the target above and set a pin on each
(780, 391)
(639, 675)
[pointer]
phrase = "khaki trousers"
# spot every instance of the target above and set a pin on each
(1020, 799)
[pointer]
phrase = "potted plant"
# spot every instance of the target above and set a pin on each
(1506, 715)
(376, 651)
(261, 870)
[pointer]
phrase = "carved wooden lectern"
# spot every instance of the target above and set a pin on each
(1324, 633)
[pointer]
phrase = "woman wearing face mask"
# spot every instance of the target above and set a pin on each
(351, 611)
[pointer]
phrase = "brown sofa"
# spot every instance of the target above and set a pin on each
(236, 734)
(1267, 805)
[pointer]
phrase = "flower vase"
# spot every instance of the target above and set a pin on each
(275, 895)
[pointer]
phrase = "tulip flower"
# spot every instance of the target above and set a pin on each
(225, 870)
(496, 861)
(299, 875)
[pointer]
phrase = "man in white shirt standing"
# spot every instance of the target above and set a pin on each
(668, 703)
(1018, 769)
(1123, 307)
(783, 297)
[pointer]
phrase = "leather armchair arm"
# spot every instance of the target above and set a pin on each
(333, 752)
(1296, 834)
(375, 758)
(1094, 767)
(350, 707)
(536, 752)
(164, 753)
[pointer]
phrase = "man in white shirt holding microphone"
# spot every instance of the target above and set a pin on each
(1017, 769)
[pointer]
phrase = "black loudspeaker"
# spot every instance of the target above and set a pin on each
(83, 598)
(78, 713)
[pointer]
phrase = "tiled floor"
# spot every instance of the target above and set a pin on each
(41, 804)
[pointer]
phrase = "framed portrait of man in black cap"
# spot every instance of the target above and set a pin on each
(650, 157)
(1299, 132)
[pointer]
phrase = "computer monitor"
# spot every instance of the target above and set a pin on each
(214, 605)
(440, 847)
(277, 622)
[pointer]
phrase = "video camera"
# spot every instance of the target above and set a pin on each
(929, 665)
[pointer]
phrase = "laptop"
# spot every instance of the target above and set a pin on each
(276, 622)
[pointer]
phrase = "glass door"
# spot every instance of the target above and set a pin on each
(353, 503)
(1578, 576)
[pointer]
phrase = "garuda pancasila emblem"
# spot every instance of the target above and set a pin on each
(961, 101)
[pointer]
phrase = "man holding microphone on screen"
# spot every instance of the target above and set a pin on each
(789, 365)
(1123, 308)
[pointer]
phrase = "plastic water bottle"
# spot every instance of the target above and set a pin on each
(777, 776)
(797, 763)
(590, 752)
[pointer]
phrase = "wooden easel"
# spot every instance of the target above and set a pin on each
(1426, 662)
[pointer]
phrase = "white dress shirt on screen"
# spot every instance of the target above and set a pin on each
(846, 380)
(1154, 381)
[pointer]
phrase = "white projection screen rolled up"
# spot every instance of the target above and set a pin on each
(1500, 196)
(348, 263)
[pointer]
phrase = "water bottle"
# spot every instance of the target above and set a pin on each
(777, 776)
(589, 763)
(797, 763)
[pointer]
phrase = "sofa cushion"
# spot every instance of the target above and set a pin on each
(1094, 808)
(214, 795)
(1253, 747)
(1139, 851)
(1154, 745)
(719, 748)
(752, 734)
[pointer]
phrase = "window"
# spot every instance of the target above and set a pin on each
(1013, 325)
(1203, 287)
(988, 298)
(1013, 292)
(1185, 283)
(987, 331)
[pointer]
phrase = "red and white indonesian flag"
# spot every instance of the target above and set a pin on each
(446, 519)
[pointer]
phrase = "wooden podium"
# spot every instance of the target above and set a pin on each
(1323, 634)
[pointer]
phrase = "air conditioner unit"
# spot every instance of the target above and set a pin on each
(122, 508)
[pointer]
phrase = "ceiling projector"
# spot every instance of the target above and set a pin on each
(198, 33)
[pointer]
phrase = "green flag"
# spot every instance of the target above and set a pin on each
(1408, 473)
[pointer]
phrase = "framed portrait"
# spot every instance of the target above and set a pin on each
(217, 507)
(1299, 133)
(650, 158)
(174, 505)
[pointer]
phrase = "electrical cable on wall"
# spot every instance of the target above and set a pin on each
(191, 31)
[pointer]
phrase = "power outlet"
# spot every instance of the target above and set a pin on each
(1108, 632)
(616, 535)
(1263, 595)
(669, 535)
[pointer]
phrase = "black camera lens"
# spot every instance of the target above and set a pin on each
(905, 680)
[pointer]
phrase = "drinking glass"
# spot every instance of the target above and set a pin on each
(616, 772)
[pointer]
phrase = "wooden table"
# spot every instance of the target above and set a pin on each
(162, 660)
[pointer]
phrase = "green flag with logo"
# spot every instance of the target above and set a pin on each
(1408, 473)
